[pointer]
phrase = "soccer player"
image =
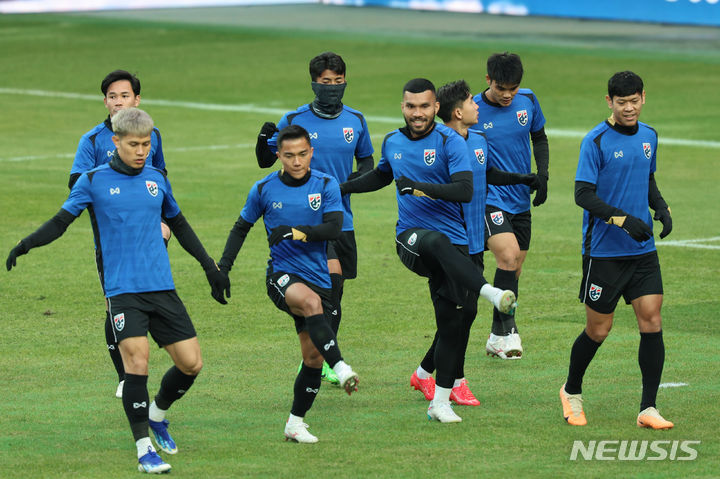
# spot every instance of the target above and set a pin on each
(511, 118)
(431, 168)
(121, 89)
(128, 199)
(339, 136)
(301, 210)
(615, 185)
(459, 112)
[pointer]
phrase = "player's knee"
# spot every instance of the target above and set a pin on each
(598, 332)
(434, 243)
(313, 358)
(311, 305)
(509, 259)
(135, 363)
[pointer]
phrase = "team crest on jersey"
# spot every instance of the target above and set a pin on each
(314, 199)
(119, 321)
(429, 156)
(497, 217)
(152, 187)
(647, 149)
(522, 117)
(595, 292)
(348, 134)
(480, 155)
(412, 239)
(283, 280)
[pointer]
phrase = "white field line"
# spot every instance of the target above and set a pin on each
(673, 385)
(250, 108)
(698, 243)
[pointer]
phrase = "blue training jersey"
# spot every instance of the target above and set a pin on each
(474, 211)
(96, 148)
(507, 129)
(429, 159)
(133, 257)
(295, 205)
(619, 165)
(335, 141)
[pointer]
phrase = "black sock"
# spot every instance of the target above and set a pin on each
(651, 357)
(307, 385)
(502, 323)
(323, 338)
(582, 352)
(449, 323)
(428, 362)
(173, 386)
(113, 348)
(136, 401)
(468, 318)
(337, 292)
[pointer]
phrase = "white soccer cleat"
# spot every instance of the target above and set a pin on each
(513, 346)
(505, 301)
(298, 433)
(442, 412)
(495, 346)
(348, 379)
(119, 390)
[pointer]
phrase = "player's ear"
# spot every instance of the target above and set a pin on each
(437, 107)
(643, 97)
(137, 101)
(488, 80)
(609, 101)
(116, 141)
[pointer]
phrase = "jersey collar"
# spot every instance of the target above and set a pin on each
(108, 123)
(623, 130)
(406, 131)
(290, 181)
(117, 164)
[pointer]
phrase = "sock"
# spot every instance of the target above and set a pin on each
(442, 395)
(144, 445)
(468, 317)
(113, 348)
(427, 365)
(173, 386)
(457, 382)
(651, 357)
(323, 338)
(293, 419)
(307, 385)
(449, 324)
(503, 324)
(135, 402)
(156, 414)
(337, 292)
(582, 352)
(422, 374)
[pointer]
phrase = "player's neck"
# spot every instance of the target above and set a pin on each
(459, 127)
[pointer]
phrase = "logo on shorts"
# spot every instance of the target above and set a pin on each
(429, 156)
(283, 280)
(522, 117)
(348, 134)
(480, 155)
(647, 149)
(595, 292)
(119, 321)
(152, 187)
(314, 199)
(412, 239)
(497, 217)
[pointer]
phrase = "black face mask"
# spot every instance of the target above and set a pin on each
(328, 99)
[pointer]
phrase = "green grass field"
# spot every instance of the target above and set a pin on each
(58, 413)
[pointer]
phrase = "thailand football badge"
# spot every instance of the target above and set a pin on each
(412, 239)
(119, 321)
(429, 156)
(497, 217)
(647, 149)
(314, 199)
(522, 117)
(348, 134)
(595, 292)
(283, 280)
(480, 155)
(152, 187)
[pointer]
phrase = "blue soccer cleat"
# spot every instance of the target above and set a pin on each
(152, 463)
(162, 436)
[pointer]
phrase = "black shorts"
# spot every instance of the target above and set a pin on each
(605, 280)
(277, 283)
(344, 249)
(499, 221)
(160, 312)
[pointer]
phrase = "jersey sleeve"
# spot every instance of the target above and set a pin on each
(589, 162)
(653, 159)
(80, 196)
(538, 119)
(458, 155)
(170, 208)
(384, 163)
(333, 199)
(272, 142)
(253, 209)
(158, 159)
(84, 157)
(364, 147)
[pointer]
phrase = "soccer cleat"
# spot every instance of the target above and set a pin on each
(119, 390)
(572, 408)
(442, 412)
(651, 418)
(328, 374)
(513, 345)
(504, 301)
(298, 433)
(463, 396)
(162, 436)
(348, 380)
(152, 463)
(425, 386)
(495, 346)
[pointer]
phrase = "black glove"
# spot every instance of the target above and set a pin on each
(279, 233)
(541, 193)
(636, 228)
(354, 174)
(267, 131)
(663, 216)
(19, 250)
(219, 284)
(532, 180)
(405, 185)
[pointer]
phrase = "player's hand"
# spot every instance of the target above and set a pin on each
(663, 216)
(635, 227)
(280, 233)
(267, 131)
(532, 180)
(19, 250)
(541, 190)
(405, 186)
(219, 284)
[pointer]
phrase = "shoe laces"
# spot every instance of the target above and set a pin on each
(575, 401)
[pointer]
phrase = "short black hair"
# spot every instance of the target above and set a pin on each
(292, 132)
(450, 97)
(326, 61)
(624, 84)
(505, 68)
(419, 85)
(116, 75)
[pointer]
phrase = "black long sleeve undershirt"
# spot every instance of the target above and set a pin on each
(587, 198)
(655, 199)
(189, 241)
(541, 151)
(235, 240)
(329, 229)
(365, 164)
(51, 230)
(501, 177)
(265, 157)
(460, 188)
(370, 181)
